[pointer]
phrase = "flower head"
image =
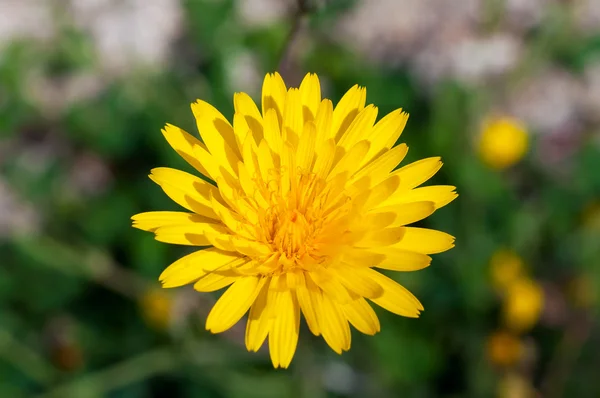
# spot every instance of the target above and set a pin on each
(503, 142)
(302, 206)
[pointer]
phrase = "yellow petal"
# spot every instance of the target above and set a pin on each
(359, 129)
(245, 106)
(323, 122)
(265, 161)
(150, 221)
(273, 95)
(350, 162)
(362, 317)
(402, 260)
(427, 241)
(310, 94)
(272, 132)
(378, 170)
(416, 173)
(330, 284)
(217, 134)
(186, 190)
(324, 158)
(234, 303)
(408, 213)
(440, 195)
(378, 194)
(232, 220)
(386, 132)
(259, 321)
(292, 117)
(191, 234)
(214, 281)
(306, 293)
(395, 298)
(379, 238)
(283, 336)
(356, 280)
(333, 323)
(183, 143)
(306, 147)
(346, 110)
(191, 267)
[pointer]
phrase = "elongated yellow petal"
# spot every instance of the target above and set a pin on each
(346, 110)
(191, 234)
(306, 147)
(440, 195)
(323, 122)
(362, 317)
(324, 158)
(378, 170)
(386, 132)
(427, 241)
(191, 267)
(273, 95)
(359, 129)
(259, 320)
(408, 213)
(402, 260)
(416, 173)
(234, 303)
(331, 286)
(186, 190)
(358, 281)
(245, 106)
(183, 143)
(350, 162)
(382, 237)
(306, 293)
(310, 94)
(333, 323)
(218, 135)
(214, 281)
(395, 298)
(152, 220)
(292, 117)
(272, 132)
(283, 336)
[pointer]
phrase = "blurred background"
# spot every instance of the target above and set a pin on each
(506, 91)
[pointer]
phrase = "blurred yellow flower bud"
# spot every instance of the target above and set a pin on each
(506, 267)
(155, 306)
(514, 385)
(503, 142)
(504, 349)
(523, 304)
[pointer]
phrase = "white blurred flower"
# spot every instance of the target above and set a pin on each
(129, 33)
(259, 13)
(16, 216)
(587, 15)
(548, 100)
(244, 73)
(25, 19)
(525, 14)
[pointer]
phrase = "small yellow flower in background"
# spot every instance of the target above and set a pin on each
(591, 217)
(523, 304)
(156, 305)
(504, 142)
(514, 385)
(506, 267)
(306, 205)
(504, 349)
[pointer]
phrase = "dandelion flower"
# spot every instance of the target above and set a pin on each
(304, 203)
(503, 142)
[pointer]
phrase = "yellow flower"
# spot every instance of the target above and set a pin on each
(523, 304)
(503, 142)
(305, 204)
(504, 348)
(514, 385)
(155, 306)
(506, 267)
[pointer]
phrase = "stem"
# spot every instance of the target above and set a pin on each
(288, 57)
(25, 359)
